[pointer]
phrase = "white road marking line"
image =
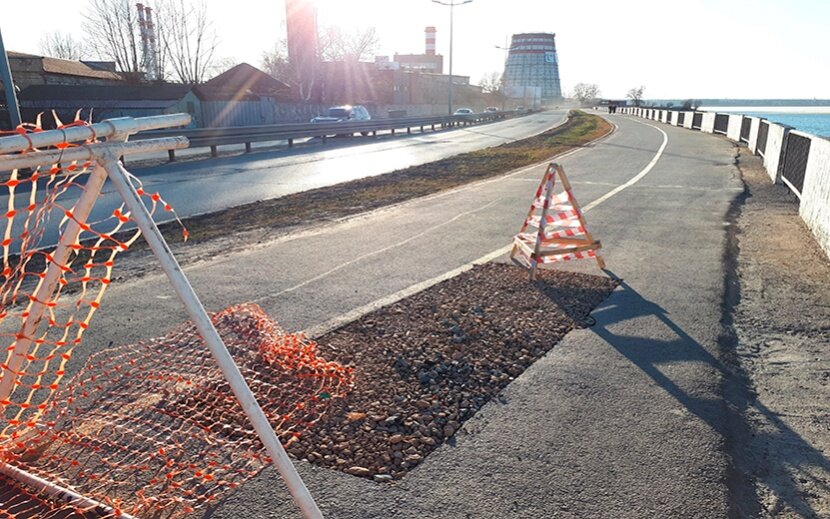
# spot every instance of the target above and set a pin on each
(427, 230)
(341, 320)
(634, 179)
(377, 251)
(337, 322)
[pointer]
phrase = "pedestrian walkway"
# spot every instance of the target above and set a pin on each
(620, 420)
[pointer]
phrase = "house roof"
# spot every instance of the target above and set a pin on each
(242, 81)
(67, 67)
(166, 92)
(111, 96)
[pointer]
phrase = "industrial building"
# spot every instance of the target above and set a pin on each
(429, 61)
(532, 68)
(303, 45)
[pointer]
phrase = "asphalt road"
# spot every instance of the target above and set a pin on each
(210, 185)
(620, 420)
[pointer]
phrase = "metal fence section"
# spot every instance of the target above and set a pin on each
(799, 160)
(721, 123)
(763, 131)
(794, 167)
(214, 137)
(746, 126)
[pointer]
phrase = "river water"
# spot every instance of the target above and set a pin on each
(808, 119)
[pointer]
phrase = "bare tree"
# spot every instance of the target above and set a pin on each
(189, 40)
(492, 84)
(275, 62)
(339, 45)
(636, 95)
(62, 45)
(584, 92)
(113, 33)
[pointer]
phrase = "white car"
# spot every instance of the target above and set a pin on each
(463, 111)
(339, 114)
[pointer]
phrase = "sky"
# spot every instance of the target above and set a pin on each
(692, 49)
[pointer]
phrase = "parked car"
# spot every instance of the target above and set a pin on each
(345, 113)
(339, 114)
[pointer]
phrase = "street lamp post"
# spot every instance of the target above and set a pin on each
(452, 4)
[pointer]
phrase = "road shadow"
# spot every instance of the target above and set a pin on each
(726, 415)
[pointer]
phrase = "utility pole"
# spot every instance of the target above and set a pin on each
(452, 4)
(8, 86)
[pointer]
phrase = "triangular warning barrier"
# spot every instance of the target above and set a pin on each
(554, 229)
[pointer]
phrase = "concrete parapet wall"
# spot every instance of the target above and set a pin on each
(815, 196)
(803, 160)
(772, 153)
(708, 124)
(733, 132)
(753, 134)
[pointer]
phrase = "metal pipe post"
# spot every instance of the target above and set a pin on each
(449, 89)
(59, 493)
(452, 5)
(123, 126)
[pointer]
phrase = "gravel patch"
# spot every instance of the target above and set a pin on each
(426, 364)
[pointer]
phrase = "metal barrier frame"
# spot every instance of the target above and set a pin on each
(214, 137)
(106, 155)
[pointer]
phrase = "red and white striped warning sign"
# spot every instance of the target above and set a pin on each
(554, 229)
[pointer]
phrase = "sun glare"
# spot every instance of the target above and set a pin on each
(346, 15)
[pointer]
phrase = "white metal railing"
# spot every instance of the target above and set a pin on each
(106, 156)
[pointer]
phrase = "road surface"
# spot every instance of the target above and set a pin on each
(206, 186)
(621, 420)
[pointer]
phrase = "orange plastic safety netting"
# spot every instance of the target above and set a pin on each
(153, 428)
(48, 298)
(148, 429)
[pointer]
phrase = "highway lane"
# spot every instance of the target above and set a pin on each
(205, 186)
(620, 420)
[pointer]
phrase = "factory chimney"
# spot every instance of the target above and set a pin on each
(430, 41)
(153, 72)
(142, 27)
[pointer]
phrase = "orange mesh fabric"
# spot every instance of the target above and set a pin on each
(39, 205)
(147, 429)
(154, 427)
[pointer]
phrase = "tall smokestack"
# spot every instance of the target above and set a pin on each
(145, 50)
(153, 69)
(301, 32)
(430, 41)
